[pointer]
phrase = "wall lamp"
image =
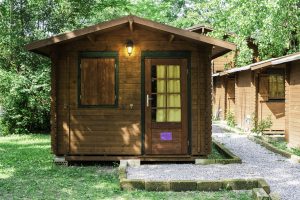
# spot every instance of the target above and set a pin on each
(129, 47)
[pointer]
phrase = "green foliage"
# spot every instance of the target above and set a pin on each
(282, 145)
(27, 172)
(230, 119)
(260, 126)
(215, 154)
(272, 25)
(25, 98)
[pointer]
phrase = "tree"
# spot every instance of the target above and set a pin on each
(273, 26)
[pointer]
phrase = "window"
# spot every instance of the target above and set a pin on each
(276, 85)
(166, 94)
(98, 83)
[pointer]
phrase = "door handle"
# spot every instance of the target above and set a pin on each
(148, 99)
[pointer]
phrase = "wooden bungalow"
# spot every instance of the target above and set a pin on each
(131, 88)
(220, 63)
(262, 90)
(223, 89)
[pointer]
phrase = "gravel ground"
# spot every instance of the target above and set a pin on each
(282, 175)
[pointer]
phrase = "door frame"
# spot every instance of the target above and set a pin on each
(166, 55)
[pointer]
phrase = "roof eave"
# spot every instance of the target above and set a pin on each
(121, 21)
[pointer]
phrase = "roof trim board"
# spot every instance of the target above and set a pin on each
(262, 64)
(57, 39)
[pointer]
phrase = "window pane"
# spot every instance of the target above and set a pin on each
(161, 86)
(280, 91)
(161, 71)
(173, 86)
(173, 71)
(174, 100)
(276, 86)
(161, 100)
(272, 86)
(161, 115)
(174, 115)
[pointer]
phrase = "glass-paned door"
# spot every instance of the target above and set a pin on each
(166, 109)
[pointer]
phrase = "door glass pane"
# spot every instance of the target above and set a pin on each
(161, 100)
(173, 86)
(161, 71)
(161, 115)
(174, 100)
(161, 86)
(173, 71)
(173, 115)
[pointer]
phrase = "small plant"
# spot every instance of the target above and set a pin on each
(230, 119)
(262, 125)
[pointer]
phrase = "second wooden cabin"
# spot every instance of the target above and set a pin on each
(264, 89)
(131, 88)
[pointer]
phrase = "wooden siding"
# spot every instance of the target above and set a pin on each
(293, 104)
(230, 95)
(219, 97)
(117, 131)
(266, 107)
(245, 99)
(222, 62)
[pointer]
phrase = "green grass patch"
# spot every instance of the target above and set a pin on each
(215, 154)
(27, 172)
(282, 145)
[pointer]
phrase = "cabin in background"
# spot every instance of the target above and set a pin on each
(223, 89)
(222, 62)
(131, 88)
(267, 89)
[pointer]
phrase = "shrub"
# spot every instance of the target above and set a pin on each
(25, 101)
(230, 119)
(259, 127)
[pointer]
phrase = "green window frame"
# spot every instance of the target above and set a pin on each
(98, 54)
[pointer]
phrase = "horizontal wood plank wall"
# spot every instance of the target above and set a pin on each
(63, 84)
(266, 108)
(230, 95)
(204, 100)
(222, 62)
(287, 98)
(245, 99)
(117, 131)
(219, 98)
(293, 100)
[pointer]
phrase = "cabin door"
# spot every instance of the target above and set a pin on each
(166, 106)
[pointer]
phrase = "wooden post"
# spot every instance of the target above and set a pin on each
(53, 109)
(130, 20)
(91, 38)
(171, 38)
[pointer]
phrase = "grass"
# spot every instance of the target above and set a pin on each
(27, 172)
(215, 154)
(283, 146)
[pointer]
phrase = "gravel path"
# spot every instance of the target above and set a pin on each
(282, 175)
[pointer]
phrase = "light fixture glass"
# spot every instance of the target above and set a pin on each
(129, 47)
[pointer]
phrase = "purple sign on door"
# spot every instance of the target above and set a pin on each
(166, 135)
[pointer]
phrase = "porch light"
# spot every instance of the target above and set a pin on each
(129, 47)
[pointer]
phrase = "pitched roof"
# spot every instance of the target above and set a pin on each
(200, 28)
(41, 46)
(262, 64)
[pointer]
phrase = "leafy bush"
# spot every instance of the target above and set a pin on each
(259, 127)
(25, 101)
(230, 119)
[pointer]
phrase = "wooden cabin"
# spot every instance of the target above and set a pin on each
(262, 90)
(131, 88)
(220, 63)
